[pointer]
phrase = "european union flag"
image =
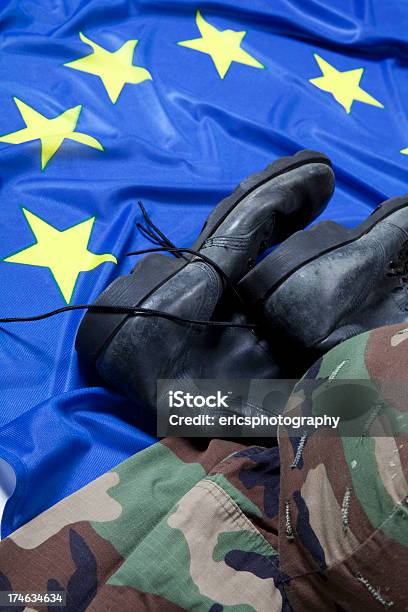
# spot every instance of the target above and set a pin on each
(107, 102)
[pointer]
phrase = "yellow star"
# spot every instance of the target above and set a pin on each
(51, 132)
(65, 253)
(114, 69)
(224, 46)
(344, 86)
(404, 151)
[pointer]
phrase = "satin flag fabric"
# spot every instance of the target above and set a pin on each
(107, 102)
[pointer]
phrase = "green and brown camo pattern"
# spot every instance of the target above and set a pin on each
(318, 523)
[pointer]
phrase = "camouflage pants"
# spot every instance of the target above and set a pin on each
(318, 523)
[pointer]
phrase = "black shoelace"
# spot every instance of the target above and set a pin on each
(152, 232)
(154, 235)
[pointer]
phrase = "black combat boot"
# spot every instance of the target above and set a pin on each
(326, 284)
(133, 352)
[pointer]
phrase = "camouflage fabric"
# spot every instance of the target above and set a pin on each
(318, 523)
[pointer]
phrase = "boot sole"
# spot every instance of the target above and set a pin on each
(97, 329)
(306, 246)
(252, 183)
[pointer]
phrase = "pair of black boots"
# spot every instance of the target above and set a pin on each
(319, 287)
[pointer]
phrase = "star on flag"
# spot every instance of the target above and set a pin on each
(51, 132)
(115, 69)
(64, 252)
(223, 46)
(343, 85)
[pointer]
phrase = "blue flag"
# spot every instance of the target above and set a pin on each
(107, 102)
